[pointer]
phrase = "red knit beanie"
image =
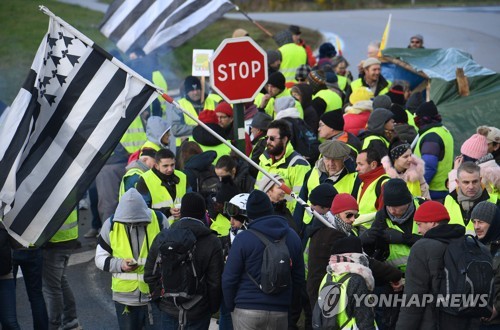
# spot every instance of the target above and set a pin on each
(431, 211)
(343, 202)
(224, 108)
(208, 117)
(475, 147)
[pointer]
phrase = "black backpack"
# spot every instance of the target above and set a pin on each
(275, 273)
(304, 140)
(207, 184)
(468, 272)
(181, 283)
(327, 308)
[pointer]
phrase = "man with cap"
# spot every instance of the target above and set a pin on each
(486, 218)
(324, 99)
(258, 131)
(252, 308)
(372, 78)
(208, 261)
(416, 41)
(379, 131)
(135, 169)
(424, 270)
(435, 147)
(302, 73)
(331, 127)
(224, 113)
(292, 55)
(280, 158)
(273, 61)
(296, 35)
(493, 138)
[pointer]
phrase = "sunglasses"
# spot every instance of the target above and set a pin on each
(272, 138)
(351, 215)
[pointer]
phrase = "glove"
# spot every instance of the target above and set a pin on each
(393, 236)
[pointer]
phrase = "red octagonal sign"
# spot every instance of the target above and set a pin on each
(239, 69)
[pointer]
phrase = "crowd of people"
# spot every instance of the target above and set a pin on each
(370, 157)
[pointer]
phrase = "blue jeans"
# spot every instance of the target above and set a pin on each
(8, 316)
(30, 261)
(172, 323)
(138, 317)
(61, 304)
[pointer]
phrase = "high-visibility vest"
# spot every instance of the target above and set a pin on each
(220, 149)
(414, 188)
(398, 253)
(411, 119)
(342, 318)
(293, 56)
(214, 98)
(159, 80)
(370, 138)
(150, 145)
(367, 202)
(269, 109)
(221, 225)
(119, 241)
(359, 83)
(134, 137)
(69, 230)
(188, 106)
(131, 172)
(342, 82)
(444, 165)
(160, 197)
(456, 215)
(333, 100)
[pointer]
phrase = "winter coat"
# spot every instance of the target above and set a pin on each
(412, 174)
(208, 261)
(356, 117)
(198, 163)
(246, 256)
(155, 129)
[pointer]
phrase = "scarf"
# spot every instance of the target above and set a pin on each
(339, 224)
(404, 217)
(467, 202)
(355, 263)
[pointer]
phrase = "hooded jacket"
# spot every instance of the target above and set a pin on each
(246, 256)
(208, 261)
(310, 115)
(156, 127)
(198, 163)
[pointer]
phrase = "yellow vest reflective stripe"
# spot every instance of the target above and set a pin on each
(342, 317)
(119, 241)
(160, 197)
(456, 216)
(359, 83)
(220, 149)
(130, 172)
(69, 230)
(306, 257)
(221, 225)
(332, 100)
(151, 145)
(367, 202)
(398, 253)
(446, 164)
(342, 82)
(134, 136)
(370, 138)
(293, 56)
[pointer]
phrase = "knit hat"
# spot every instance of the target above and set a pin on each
(317, 80)
(191, 83)
(208, 117)
(427, 109)
(327, 50)
(377, 120)
(360, 94)
(334, 149)
(261, 121)
(323, 195)
(382, 101)
(418, 36)
(349, 244)
(240, 33)
(331, 78)
(277, 79)
(259, 205)
(431, 211)
(333, 119)
(294, 29)
(343, 202)
(484, 211)
(400, 115)
(273, 56)
(492, 133)
(265, 184)
(302, 71)
(475, 147)
(370, 61)
(283, 103)
(283, 37)
(225, 108)
(397, 95)
(414, 101)
(396, 193)
(193, 206)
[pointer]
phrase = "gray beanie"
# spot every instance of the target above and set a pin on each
(283, 103)
(382, 101)
(261, 121)
(377, 120)
(484, 211)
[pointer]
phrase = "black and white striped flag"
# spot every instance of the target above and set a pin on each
(71, 112)
(150, 24)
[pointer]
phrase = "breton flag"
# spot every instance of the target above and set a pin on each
(150, 24)
(71, 112)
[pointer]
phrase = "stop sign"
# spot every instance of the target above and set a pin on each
(238, 69)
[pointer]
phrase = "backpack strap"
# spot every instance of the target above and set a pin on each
(380, 182)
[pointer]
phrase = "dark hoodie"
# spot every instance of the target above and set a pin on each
(310, 115)
(201, 136)
(208, 262)
(198, 164)
(246, 256)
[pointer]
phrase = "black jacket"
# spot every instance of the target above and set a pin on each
(208, 262)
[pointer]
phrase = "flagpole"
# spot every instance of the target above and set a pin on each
(254, 22)
(284, 187)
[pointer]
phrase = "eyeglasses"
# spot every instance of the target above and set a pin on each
(272, 138)
(351, 215)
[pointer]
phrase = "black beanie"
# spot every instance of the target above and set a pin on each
(191, 83)
(397, 95)
(323, 195)
(333, 119)
(427, 109)
(259, 205)
(400, 115)
(396, 193)
(193, 206)
(277, 79)
(349, 244)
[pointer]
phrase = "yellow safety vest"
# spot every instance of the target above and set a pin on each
(130, 172)
(359, 83)
(414, 188)
(370, 138)
(269, 109)
(456, 216)
(342, 82)
(119, 241)
(332, 99)
(398, 253)
(411, 119)
(188, 106)
(134, 136)
(367, 202)
(221, 225)
(214, 98)
(220, 149)
(293, 56)
(444, 165)
(160, 81)
(69, 229)
(150, 145)
(342, 318)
